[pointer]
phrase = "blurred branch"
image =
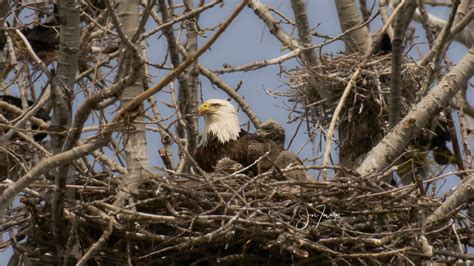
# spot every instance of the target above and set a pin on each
(384, 16)
(165, 153)
(439, 44)
(126, 38)
(464, 35)
(30, 114)
(395, 142)
(32, 53)
(424, 20)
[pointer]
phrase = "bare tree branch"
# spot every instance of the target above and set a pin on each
(393, 144)
(304, 32)
(463, 193)
(263, 13)
(190, 102)
(465, 36)
(401, 24)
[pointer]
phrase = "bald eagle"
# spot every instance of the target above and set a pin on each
(224, 139)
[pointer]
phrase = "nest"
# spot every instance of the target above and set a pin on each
(319, 89)
(363, 120)
(232, 219)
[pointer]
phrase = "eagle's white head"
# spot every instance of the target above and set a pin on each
(221, 120)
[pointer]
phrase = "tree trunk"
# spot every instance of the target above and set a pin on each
(62, 91)
(358, 40)
(133, 133)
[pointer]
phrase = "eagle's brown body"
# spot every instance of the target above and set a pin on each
(245, 150)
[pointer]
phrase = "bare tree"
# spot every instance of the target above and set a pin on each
(105, 79)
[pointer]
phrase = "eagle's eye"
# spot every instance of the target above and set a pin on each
(215, 105)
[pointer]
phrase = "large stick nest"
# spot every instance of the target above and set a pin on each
(229, 219)
(369, 96)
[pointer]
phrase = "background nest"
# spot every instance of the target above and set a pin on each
(233, 219)
(369, 96)
(364, 118)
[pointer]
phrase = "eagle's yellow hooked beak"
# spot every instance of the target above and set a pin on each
(203, 109)
(207, 108)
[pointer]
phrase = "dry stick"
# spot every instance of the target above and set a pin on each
(12, 58)
(173, 52)
(166, 153)
(102, 240)
(32, 53)
(30, 113)
(43, 125)
(456, 29)
(46, 164)
(12, 108)
(273, 26)
(433, 57)
(188, 15)
(105, 136)
(332, 125)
